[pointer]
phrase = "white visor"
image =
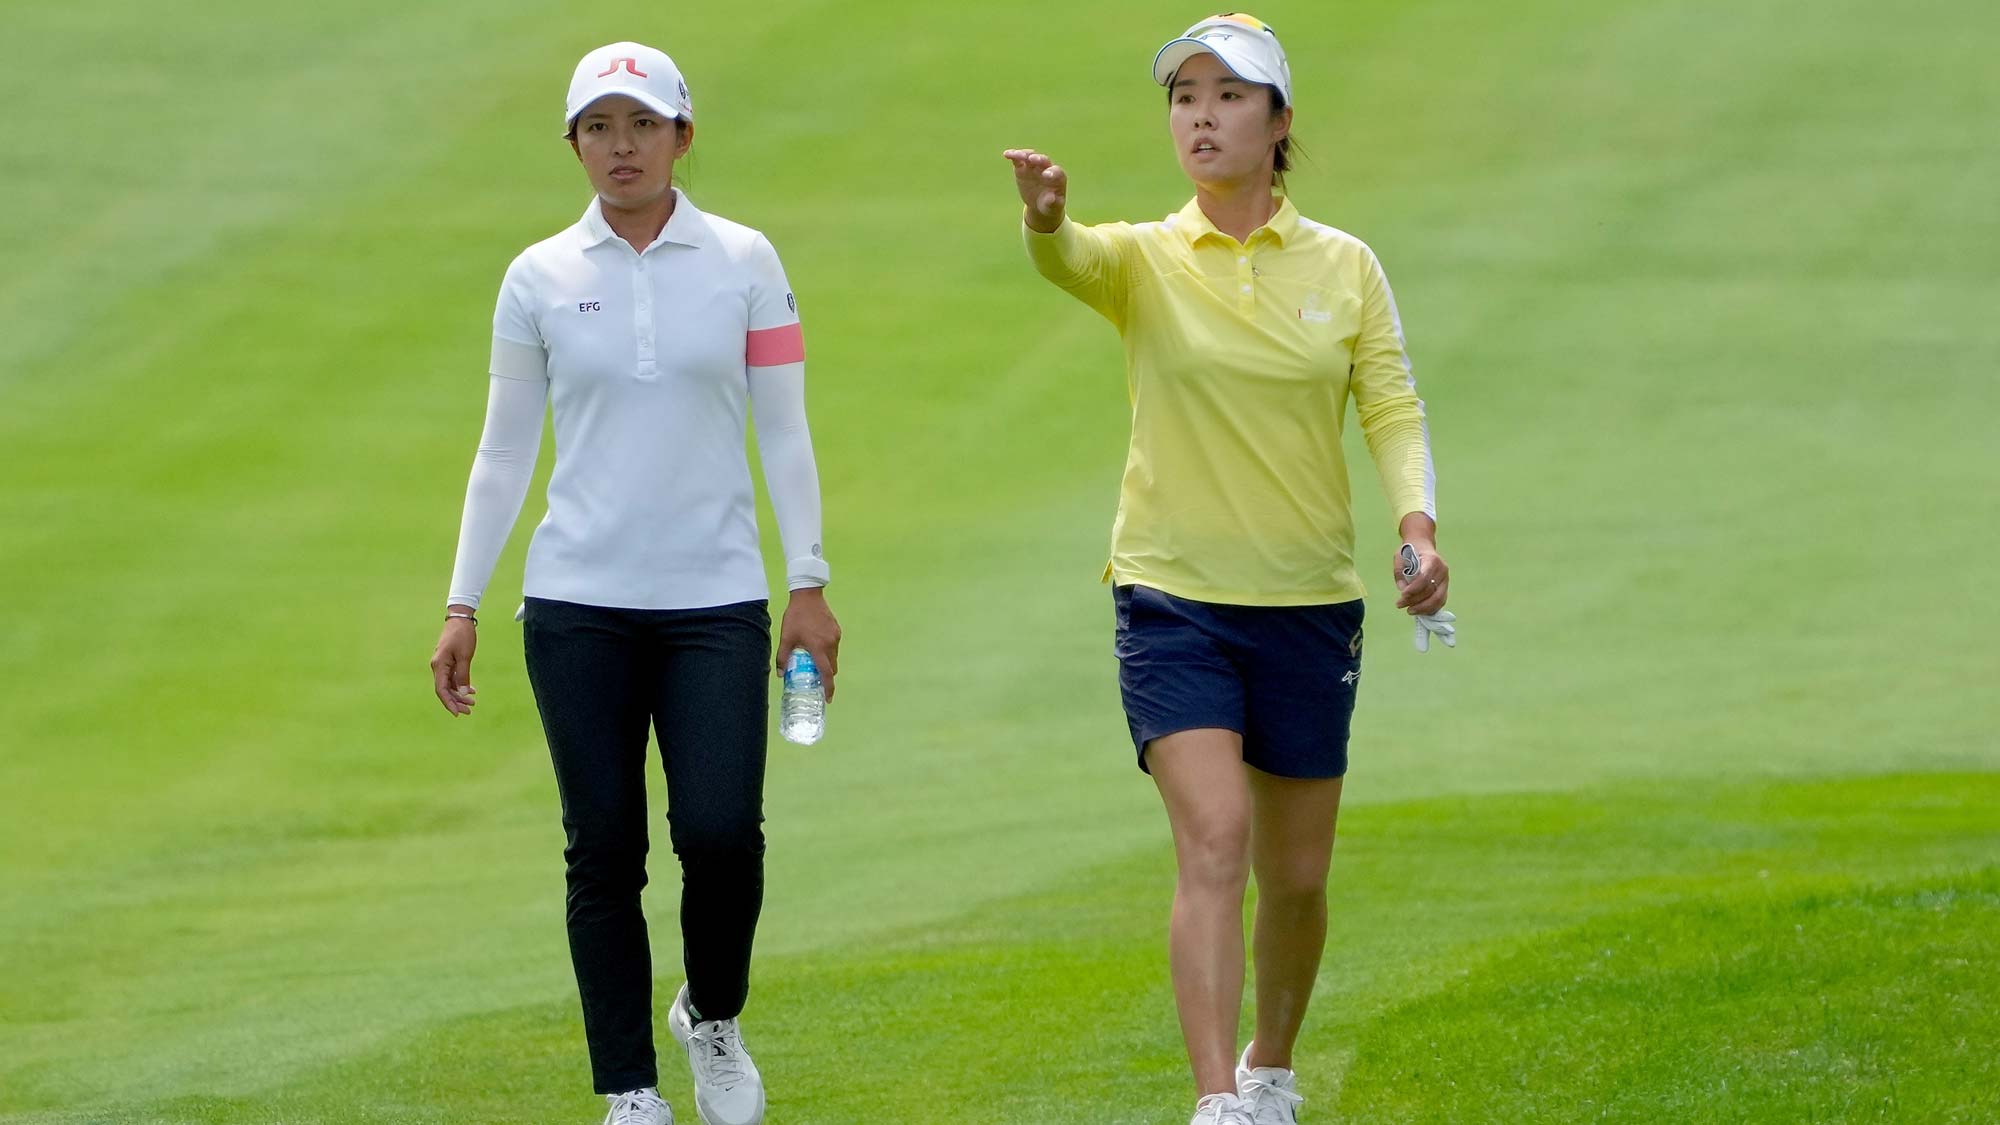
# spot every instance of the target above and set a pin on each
(1244, 44)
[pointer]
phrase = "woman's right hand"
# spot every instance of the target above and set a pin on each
(451, 664)
(1044, 188)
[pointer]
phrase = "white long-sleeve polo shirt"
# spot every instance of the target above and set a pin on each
(652, 363)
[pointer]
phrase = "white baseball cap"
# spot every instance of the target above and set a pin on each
(1245, 44)
(634, 70)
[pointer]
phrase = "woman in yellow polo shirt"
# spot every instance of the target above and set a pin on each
(1247, 327)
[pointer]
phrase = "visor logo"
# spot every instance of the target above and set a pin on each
(1249, 21)
(631, 67)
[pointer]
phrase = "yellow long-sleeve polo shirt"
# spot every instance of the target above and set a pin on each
(1239, 360)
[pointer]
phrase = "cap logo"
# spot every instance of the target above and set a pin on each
(631, 67)
(1249, 21)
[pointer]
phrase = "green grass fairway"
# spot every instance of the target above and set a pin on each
(1700, 823)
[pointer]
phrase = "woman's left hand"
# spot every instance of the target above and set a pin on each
(1425, 592)
(809, 624)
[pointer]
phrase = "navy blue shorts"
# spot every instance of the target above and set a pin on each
(1284, 677)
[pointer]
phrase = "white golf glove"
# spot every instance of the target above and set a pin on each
(1439, 623)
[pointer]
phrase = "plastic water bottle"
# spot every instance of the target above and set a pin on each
(802, 709)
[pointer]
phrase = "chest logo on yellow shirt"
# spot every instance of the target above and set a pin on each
(1315, 309)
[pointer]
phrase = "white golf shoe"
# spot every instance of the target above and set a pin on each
(1270, 1092)
(638, 1107)
(1221, 1109)
(727, 1088)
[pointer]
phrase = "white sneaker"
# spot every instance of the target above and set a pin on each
(727, 1088)
(638, 1107)
(1221, 1109)
(1270, 1092)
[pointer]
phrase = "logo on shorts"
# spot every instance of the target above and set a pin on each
(1352, 677)
(1354, 646)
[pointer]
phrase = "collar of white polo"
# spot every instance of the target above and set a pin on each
(684, 227)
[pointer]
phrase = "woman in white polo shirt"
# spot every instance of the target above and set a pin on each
(652, 329)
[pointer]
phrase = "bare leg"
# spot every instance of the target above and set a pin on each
(1205, 786)
(1291, 849)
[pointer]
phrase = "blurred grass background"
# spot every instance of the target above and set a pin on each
(1700, 297)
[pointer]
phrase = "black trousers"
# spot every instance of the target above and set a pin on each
(701, 679)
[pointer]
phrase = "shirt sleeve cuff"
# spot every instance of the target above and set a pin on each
(1033, 233)
(1413, 505)
(1058, 254)
(801, 574)
(1046, 241)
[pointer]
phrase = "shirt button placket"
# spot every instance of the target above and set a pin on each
(642, 318)
(1246, 298)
